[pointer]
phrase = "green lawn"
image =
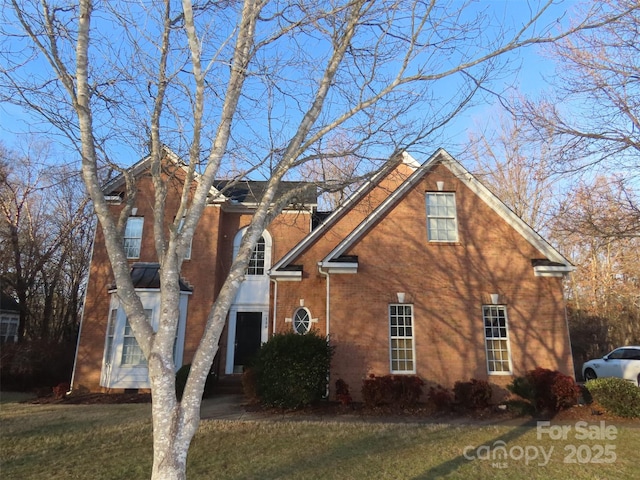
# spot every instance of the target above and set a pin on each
(114, 441)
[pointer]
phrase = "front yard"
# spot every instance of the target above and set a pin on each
(114, 442)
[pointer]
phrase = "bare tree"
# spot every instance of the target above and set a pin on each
(516, 167)
(258, 82)
(45, 232)
(592, 117)
(604, 293)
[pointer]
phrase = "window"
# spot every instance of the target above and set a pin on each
(133, 237)
(441, 217)
(111, 328)
(401, 338)
(131, 351)
(301, 321)
(496, 339)
(9, 328)
(256, 263)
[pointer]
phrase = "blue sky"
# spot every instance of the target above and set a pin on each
(16, 125)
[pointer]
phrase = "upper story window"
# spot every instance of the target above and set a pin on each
(133, 237)
(256, 263)
(442, 225)
(260, 261)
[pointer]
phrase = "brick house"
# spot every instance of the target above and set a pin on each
(421, 271)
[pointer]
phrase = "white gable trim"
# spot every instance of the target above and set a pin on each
(388, 202)
(505, 212)
(143, 164)
(338, 212)
(479, 189)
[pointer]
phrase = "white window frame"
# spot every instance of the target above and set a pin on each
(115, 373)
(442, 217)
(11, 324)
(296, 321)
(130, 347)
(400, 333)
(257, 261)
(496, 339)
(133, 238)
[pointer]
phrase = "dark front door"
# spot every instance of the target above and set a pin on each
(248, 338)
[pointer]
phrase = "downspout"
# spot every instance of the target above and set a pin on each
(275, 305)
(84, 303)
(566, 325)
(327, 314)
(328, 311)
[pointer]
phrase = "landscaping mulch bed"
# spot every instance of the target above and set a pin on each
(93, 399)
(590, 413)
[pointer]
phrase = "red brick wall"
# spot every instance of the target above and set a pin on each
(211, 253)
(446, 283)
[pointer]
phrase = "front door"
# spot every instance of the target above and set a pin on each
(248, 338)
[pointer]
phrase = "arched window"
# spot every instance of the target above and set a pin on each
(260, 261)
(256, 263)
(301, 321)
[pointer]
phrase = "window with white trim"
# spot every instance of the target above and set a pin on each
(256, 263)
(9, 328)
(133, 237)
(111, 329)
(131, 351)
(301, 321)
(442, 224)
(496, 339)
(402, 348)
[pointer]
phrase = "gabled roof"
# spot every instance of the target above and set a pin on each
(245, 192)
(137, 168)
(251, 191)
(8, 304)
(554, 263)
(329, 221)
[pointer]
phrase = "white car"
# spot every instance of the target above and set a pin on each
(623, 362)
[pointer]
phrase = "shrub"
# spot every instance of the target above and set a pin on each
(181, 382)
(60, 390)
(616, 395)
(547, 390)
(35, 365)
(473, 394)
(291, 370)
(441, 397)
(396, 390)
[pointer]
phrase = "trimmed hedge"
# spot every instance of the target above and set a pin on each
(397, 390)
(616, 395)
(291, 370)
(547, 390)
(473, 394)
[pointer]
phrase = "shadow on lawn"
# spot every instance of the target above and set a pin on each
(454, 464)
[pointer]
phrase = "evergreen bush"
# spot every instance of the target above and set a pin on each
(616, 395)
(291, 370)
